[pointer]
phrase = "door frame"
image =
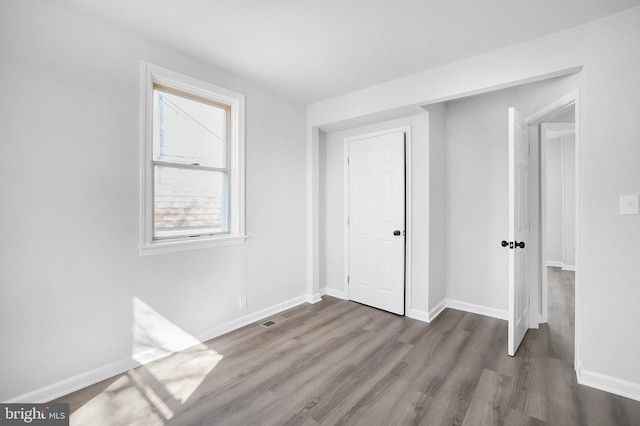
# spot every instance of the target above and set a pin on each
(407, 207)
(538, 304)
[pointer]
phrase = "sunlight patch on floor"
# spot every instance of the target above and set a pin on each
(173, 366)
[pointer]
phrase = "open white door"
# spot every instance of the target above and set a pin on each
(376, 221)
(518, 230)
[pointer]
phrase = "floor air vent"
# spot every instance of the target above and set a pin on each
(273, 321)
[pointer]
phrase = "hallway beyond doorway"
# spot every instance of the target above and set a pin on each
(561, 324)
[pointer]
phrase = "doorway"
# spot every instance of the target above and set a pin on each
(557, 172)
(556, 275)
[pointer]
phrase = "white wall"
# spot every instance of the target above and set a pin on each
(436, 219)
(569, 158)
(606, 49)
(554, 214)
(332, 254)
(332, 250)
(477, 199)
(69, 174)
(560, 201)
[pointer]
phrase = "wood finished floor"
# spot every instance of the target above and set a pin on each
(338, 362)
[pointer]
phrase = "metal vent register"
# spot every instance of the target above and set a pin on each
(273, 321)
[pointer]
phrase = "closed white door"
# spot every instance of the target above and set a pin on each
(376, 221)
(518, 230)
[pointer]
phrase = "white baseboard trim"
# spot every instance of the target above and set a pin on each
(555, 264)
(477, 309)
(72, 384)
(427, 316)
(455, 304)
(340, 294)
(440, 307)
(608, 384)
(313, 298)
(535, 320)
(569, 268)
(227, 327)
(417, 314)
(81, 381)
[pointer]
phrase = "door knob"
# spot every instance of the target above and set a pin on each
(507, 244)
(520, 244)
(396, 233)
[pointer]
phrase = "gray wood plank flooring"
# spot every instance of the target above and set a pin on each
(338, 362)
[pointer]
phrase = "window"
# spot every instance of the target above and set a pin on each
(193, 163)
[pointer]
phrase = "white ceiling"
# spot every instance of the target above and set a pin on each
(310, 50)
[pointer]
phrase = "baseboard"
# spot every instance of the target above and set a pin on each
(340, 294)
(456, 304)
(81, 381)
(417, 314)
(569, 268)
(608, 384)
(427, 316)
(313, 298)
(477, 309)
(72, 384)
(440, 307)
(227, 327)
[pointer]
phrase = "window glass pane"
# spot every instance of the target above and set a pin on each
(189, 202)
(187, 131)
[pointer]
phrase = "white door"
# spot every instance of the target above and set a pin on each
(376, 221)
(518, 230)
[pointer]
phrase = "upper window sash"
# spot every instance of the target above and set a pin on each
(210, 123)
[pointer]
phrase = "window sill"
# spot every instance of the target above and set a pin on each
(176, 246)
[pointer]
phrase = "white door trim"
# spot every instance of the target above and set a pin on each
(407, 189)
(534, 120)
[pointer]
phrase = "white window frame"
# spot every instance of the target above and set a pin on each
(154, 74)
